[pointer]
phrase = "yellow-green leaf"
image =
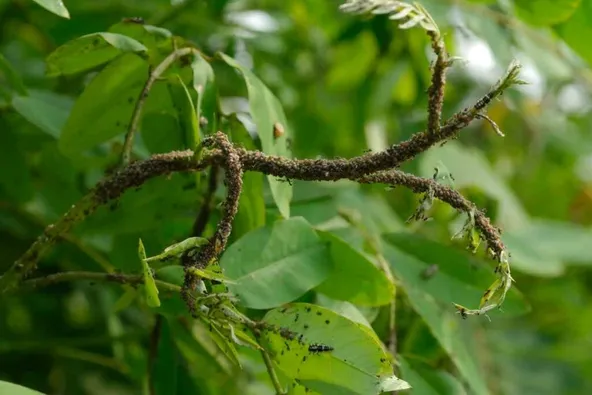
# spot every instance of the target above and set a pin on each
(149, 284)
(55, 6)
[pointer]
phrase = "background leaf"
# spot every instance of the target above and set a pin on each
(276, 264)
(87, 52)
(354, 278)
(546, 12)
(460, 278)
(44, 109)
(266, 111)
(55, 6)
(453, 335)
(15, 389)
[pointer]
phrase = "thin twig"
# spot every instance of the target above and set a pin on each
(129, 279)
(206, 207)
(272, 374)
(137, 114)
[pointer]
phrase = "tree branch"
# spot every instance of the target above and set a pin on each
(206, 207)
(446, 194)
(359, 168)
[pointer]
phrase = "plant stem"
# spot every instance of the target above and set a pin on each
(272, 374)
(206, 207)
(436, 89)
(130, 279)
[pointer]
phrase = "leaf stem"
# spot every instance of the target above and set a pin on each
(272, 374)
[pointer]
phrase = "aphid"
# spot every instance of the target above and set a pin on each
(316, 348)
(278, 130)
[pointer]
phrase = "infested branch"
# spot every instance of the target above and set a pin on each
(436, 89)
(444, 193)
(217, 243)
(220, 153)
(136, 173)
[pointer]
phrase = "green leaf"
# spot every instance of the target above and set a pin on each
(199, 349)
(354, 278)
(12, 76)
(320, 203)
(353, 61)
(144, 209)
(267, 111)
(460, 278)
(357, 363)
(158, 40)
(576, 30)
(44, 109)
(162, 133)
(344, 309)
(16, 183)
(207, 100)
(543, 248)
(470, 168)
(454, 336)
(251, 209)
(149, 284)
(176, 250)
(276, 264)
(108, 101)
(427, 381)
(126, 299)
(55, 6)
(211, 275)
(186, 114)
(545, 12)
(15, 389)
(223, 343)
(87, 52)
(163, 378)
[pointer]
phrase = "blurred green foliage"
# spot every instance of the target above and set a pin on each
(346, 84)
